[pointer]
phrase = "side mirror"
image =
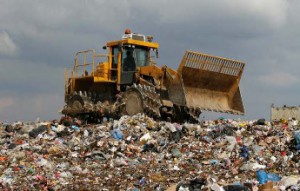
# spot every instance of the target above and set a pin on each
(156, 52)
(120, 47)
(104, 47)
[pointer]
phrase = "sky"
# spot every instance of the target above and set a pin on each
(39, 38)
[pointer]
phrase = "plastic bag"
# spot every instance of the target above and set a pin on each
(263, 177)
(236, 188)
(75, 128)
(261, 122)
(245, 152)
(35, 132)
(117, 134)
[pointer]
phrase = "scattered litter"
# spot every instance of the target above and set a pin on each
(139, 153)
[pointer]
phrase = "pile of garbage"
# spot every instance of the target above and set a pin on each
(138, 153)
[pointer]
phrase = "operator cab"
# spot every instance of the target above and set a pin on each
(130, 53)
(134, 56)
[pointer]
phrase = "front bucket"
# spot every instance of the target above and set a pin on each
(212, 83)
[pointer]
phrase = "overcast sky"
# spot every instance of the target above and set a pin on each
(38, 39)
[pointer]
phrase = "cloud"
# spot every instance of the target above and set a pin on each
(7, 45)
(48, 16)
(5, 103)
(24, 77)
(279, 79)
(42, 37)
(45, 106)
(272, 12)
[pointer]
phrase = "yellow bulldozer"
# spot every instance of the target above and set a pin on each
(127, 81)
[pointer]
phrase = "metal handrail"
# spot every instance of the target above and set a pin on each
(85, 64)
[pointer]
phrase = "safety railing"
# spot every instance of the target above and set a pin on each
(87, 54)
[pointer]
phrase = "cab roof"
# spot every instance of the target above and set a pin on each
(134, 42)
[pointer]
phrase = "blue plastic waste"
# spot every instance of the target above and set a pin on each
(75, 128)
(117, 134)
(263, 177)
(245, 152)
(142, 182)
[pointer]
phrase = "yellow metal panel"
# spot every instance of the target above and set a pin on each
(135, 42)
(174, 85)
(119, 67)
(110, 62)
(153, 71)
(100, 79)
(103, 70)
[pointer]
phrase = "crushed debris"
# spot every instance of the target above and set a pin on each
(138, 153)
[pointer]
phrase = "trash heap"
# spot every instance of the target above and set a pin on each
(138, 153)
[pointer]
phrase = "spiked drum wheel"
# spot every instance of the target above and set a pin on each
(133, 102)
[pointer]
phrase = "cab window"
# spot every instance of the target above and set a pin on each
(139, 54)
(115, 52)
